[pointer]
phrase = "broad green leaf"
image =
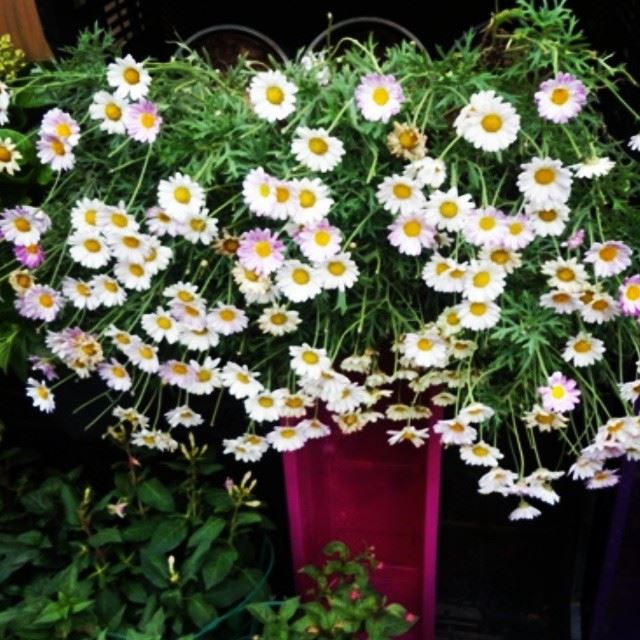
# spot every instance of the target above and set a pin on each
(169, 534)
(105, 536)
(154, 494)
(218, 566)
(208, 532)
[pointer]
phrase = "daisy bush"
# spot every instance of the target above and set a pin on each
(343, 240)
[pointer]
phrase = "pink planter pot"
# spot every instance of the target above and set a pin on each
(358, 489)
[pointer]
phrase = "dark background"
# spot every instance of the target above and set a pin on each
(496, 580)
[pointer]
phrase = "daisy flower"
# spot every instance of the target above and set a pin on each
(316, 149)
(308, 361)
(444, 274)
(298, 281)
(629, 293)
(133, 275)
(428, 172)
(518, 232)
(36, 363)
(199, 227)
(294, 405)
(128, 246)
(497, 480)
(601, 308)
(260, 251)
(608, 258)
(400, 194)
(501, 257)
(116, 220)
(593, 167)
(55, 152)
(583, 350)
(485, 227)
(129, 78)
(160, 224)
(39, 302)
(411, 233)
(476, 412)
(480, 454)
(79, 293)
(85, 214)
(448, 322)
(483, 281)
(313, 429)
(107, 290)
(286, 438)
(548, 221)
(562, 302)
(634, 142)
(160, 326)
(21, 226)
(180, 196)
(206, 376)
(5, 99)
(585, 467)
(561, 98)
(144, 356)
(256, 288)
(544, 420)
(115, 375)
(561, 393)
(417, 437)
(630, 391)
(379, 97)
(524, 511)
(575, 240)
(338, 272)
(319, 241)
(247, 448)
(272, 96)
(407, 142)
(240, 382)
(109, 109)
(278, 320)
(425, 349)
(312, 202)
(455, 431)
(198, 338)
(183, 416)
(566, 275)
(9, 157)
(545, 182)
(21, 280)
(227, 319)
(448, 210)
(478, 316)
(177, 373)
(264, 406)
(488, 122)
(603, 479)
(259, 192)
(60, 124)
(142, 121)
(41, 395)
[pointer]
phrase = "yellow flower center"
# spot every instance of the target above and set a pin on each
(185, 296)
(5, 154)
(282, 194)
(300, 276)
(131, 75)
(119, 219)
(412, 228)
(113, 111)
(307, 198)
(243, 378)
(149, 439)
(294, 402)
(544, 176)
(164, 323)
(616, 426)
(458, 427)
(480, 451)
(561, 298)
(559, 96)
(57, 147)
(204, 375)
(456, 274)
(487, 223)
(278, 319)
(491, 123)
(478, 308)
(565, 274)
(336, 268)
(322, 238)
(380, 96)
(402, 191)
(227, 315)
(424, 344)
(23, 280)
(633, 292)
(92, 245)
(310, 357)
(45, 300)
(452, 319)
(318, 146)
(287, 433)
(516, 228)
(83, 289)
(264, 190)
(441, 267)
(43, 393)
(558, 391)
(544, 418)
(608, 253)
(582, 346)
(90, 217)
(266, 402)
(481, 279)
(448, 209)
(118, 372)
(131, 242)
(275, 95)
(600, 305)
(63, 130)
(179, 368)
(547, 215)
(22, 225)
(408, 139)
(122, 338)
(182, 195)
(251, 276)
(136, 270)
(263, 248)
(197, 224)
(499, 256)
(32, 249)
(147, 120)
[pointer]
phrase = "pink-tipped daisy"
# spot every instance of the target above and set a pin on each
(142, 121)
(630, 296)
(60, 124)
(608, 258)
(379, 97)
(55, 152)
(561, 393)
(320, 241)
(411, 233)
(561, 98)
(39, 303)
(260, 251)
(30, 256)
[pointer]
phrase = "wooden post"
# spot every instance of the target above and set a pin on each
(20, 19)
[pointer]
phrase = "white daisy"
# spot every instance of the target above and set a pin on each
(518, 232)
(199, 227)
(198, 338)
(497, 480)
(308, 361)
(379, 97)
(144, 356)
(180, 196)
(583, 350)
(411, 233)
(593, 167)
(265, 406)
(129, 78)
(601, 308)
(483, 281)
(448, 322)
(247, 448)
(603, 479)
(488, 122)
(608, 258)
(505, 259)
(524, 511)
(183, 416)
(425, 349)
(133, 275)
(545, 182)
(455, 431)
(416, 437)
(128, 246)
(161, 326)
(448, 210)
(55, 152)
(312, 201)
(295, 405)
(634, 142)
(109, 109)
(298, 281)
(206, 376)
(480, 454)
(89, 249)
(85, 214)
(259, 192)
(316, 149)
(227, 319)
(562, 302)
(116, 221)
(548, 221)
(286, 438)
(160, 224)
(560, 98)
(444, 274)
(278, 320)
(272, 96)
(485, 227)
(80, 293)
(478, 315)
(476, 412)
(177, 373)
(107, 290)
(9, 156)
(427, 172)
(338, 272)
(240, 382)
(565, 274)
(313, 429)
(630, 391)
(41, 395)
(400, 194)
(320, 241)
(115, 375)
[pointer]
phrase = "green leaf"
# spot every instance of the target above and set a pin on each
(208, 532)
(337, 547)
(154, 568)
(248, 517)
(218, 567)
(262, 612)
(141, 530)
(288, 608)
(169, 534)
(8, 333)
(154, 494)
(200, 611)
(193, 563)
(105, 536)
